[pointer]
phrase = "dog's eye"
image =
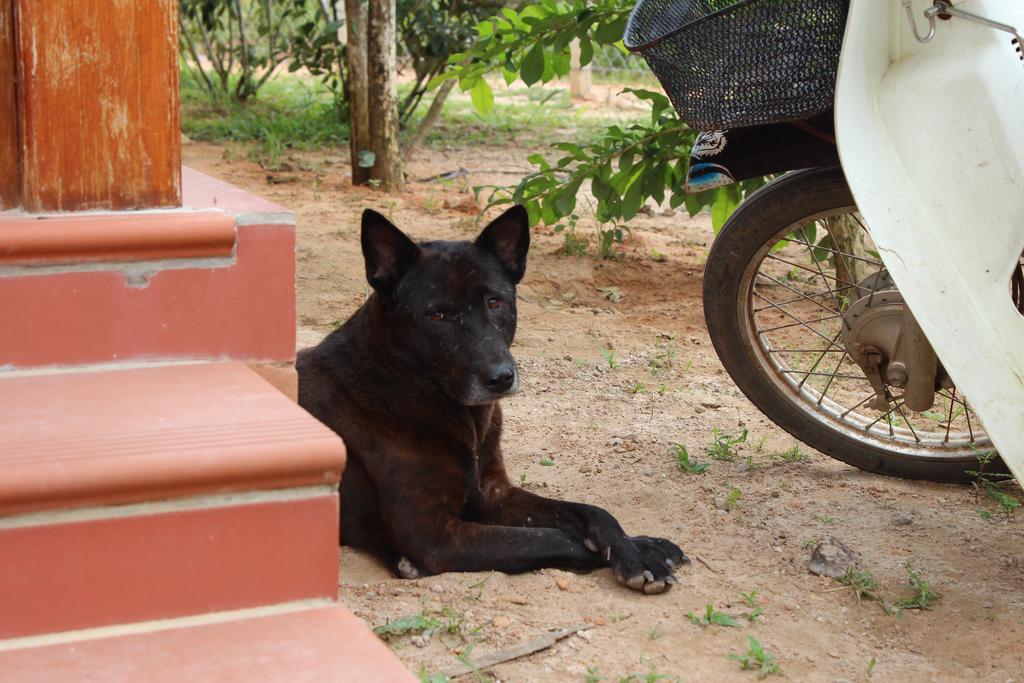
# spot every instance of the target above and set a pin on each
(494, 303)
(436, 316)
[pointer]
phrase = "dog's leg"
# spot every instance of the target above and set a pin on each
(641, 562)
(470, 547)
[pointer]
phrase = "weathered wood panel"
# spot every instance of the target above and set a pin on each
(98, 104)
(10, 177)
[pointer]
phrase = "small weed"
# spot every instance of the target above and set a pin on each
(522, 480)
(476, 591)
(427, 677)
(732, 499)
(652, 676)
(990, 484)
(592, 675)
(414, 623)
(711, 616)
(580, 362)
(658, 256)
(794, 454)
(761, 442)
(826, 519)
(654, 633)
(923, 597)
(638, 388)
(662, 389)
(862, 582)
(724, 444)
(607, 238)
(750, 600)
(757, 659)
(463, 657)
(683, 459)
(547, 462)
(749, 462)
(663, 359)
(609, 356)
(574, 245)
(618, 616)
(871, 666)
(613, 294)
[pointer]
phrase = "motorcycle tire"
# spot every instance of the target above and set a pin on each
(773, 211)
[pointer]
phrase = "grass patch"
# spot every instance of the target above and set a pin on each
(684, 462)
(289, 113)
(756, 658)
(725, 445)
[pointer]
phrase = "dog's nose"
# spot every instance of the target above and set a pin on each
(501, 379)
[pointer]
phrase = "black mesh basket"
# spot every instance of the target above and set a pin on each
(733, 63)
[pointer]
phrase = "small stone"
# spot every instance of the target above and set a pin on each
(585, 635)
(437, 588)
(599, 621)
(648, 472)
(831, 557)
(500, 621)
(903, 520)
(562, 583)
(699, 409)
(613, 443)
(419, 641)
(711, 405)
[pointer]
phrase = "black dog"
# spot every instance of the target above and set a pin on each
(412, 381)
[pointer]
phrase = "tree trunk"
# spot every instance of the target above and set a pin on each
(382, 67)
(848, 238)
(433, 114)
(356, 16)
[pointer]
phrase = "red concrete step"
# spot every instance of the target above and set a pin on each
(318, 645)
(213, 280)
(152, 493)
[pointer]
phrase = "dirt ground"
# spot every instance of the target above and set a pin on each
(609, 440)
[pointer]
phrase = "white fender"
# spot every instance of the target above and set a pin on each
(931, 138)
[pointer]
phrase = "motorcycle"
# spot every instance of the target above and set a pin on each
(867, 299)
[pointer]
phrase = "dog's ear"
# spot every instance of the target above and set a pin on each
(387, 251)
(508, 238)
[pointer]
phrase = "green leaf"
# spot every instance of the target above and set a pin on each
(722, 619)
(586, 51)
(726, 200)
(482, 97)
(632, 200)
(547, 462)
(532, 67)
(610, 32)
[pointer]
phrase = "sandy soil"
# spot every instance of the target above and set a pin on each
(611, 447)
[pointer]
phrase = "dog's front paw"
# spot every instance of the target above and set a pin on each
(646, 564)
(661, 549)
(407, 569)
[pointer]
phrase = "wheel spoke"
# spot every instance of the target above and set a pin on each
(798, 321)
(798, 266)
(810, 252)
(797, 291)
(909, 426)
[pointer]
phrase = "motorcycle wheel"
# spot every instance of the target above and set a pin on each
(774, 304)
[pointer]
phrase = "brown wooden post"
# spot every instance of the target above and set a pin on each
(96, 104)
(10, 175)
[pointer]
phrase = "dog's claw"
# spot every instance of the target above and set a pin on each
(670, 564)
(671, 579)
(590, 545)
(648, 576)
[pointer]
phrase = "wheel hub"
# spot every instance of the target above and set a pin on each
(871, 335)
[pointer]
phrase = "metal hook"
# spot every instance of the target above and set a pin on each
(929, 15)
